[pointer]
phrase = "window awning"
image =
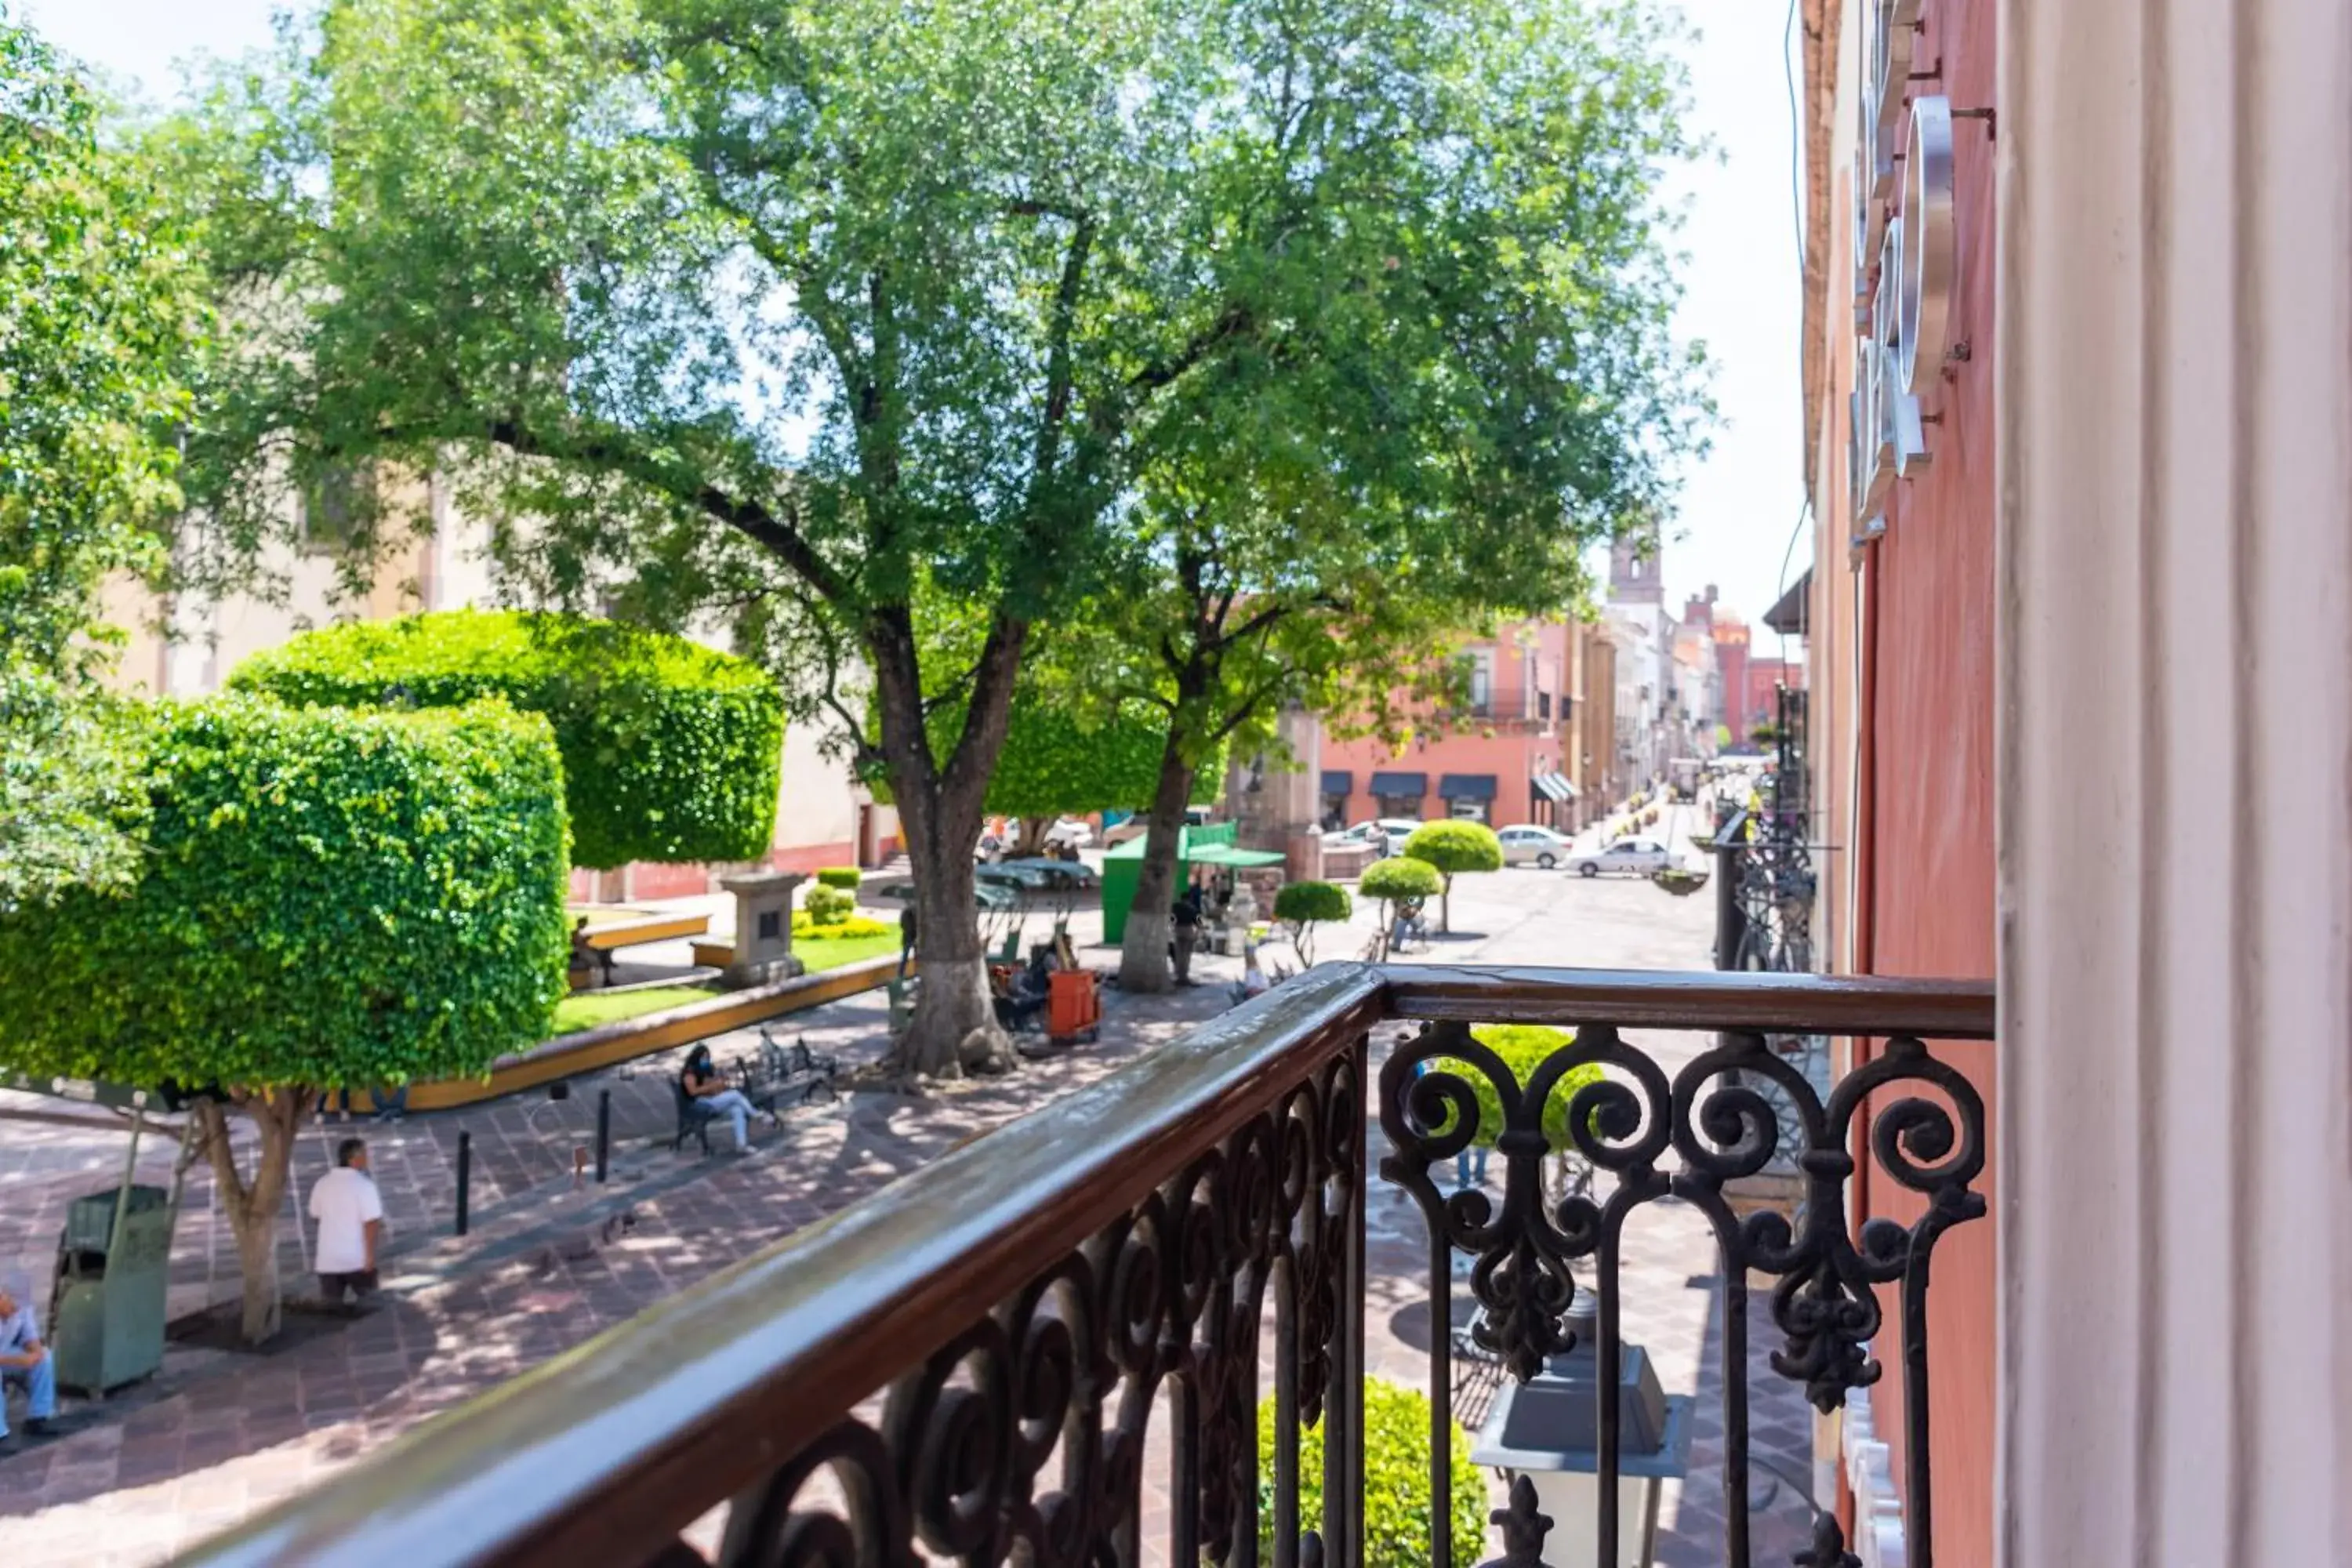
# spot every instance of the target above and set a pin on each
(1466, 786)
(1411, 785)
(1556, 787)
(1339, 781)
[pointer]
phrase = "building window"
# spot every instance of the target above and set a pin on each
(1482, 682)
(1543, 704)
(1468, 810)
(1334, 812)
(1403, 806)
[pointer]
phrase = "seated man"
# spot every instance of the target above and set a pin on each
(1032, 987)
(702, 1082)
(25, 1358)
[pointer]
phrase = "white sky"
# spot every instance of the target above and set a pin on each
(1740, 505)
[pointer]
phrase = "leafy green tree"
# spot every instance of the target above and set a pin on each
(1309, 904)
(100, 314)
(785, 313)
(1453, 848)
(326, 899)
(1482, 382)
(671, 752)
(1400, 880)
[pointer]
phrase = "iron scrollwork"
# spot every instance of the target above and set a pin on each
(1729, 1114)
(1022, 1439)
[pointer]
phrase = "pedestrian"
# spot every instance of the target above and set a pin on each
(349, 1213)
(24, 1358)
(907, 929)
(701, 1082)
(1186, 915)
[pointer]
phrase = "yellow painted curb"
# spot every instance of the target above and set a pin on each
(567, 1055)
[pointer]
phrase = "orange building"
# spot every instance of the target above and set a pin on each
(1520, 750)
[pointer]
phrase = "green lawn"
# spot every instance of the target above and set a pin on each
(586, 1010)
(831, 953)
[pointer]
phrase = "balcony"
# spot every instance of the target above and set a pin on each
(1051, 1344)
(1502, 710)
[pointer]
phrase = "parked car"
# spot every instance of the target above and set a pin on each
(1627, 857)
(1395, 830)
(1529, 844)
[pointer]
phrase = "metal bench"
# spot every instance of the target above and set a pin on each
(784, 1075)
(694, 1119)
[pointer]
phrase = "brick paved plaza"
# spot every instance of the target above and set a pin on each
(220, 1435)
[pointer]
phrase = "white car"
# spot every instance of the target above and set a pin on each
(1632, 857)
(1530, 845)
(1396, 829)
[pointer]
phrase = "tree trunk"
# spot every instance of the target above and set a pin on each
(1445, 905)
(252, 1206)
(954, 1030)
(1143, 950)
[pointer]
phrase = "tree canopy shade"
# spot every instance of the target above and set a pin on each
(790, 312)
(100, 313)
(326, 897)
(671, 750)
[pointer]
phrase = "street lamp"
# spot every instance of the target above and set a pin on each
(1545, 1430)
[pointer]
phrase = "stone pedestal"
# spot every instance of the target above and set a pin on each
(763, 928)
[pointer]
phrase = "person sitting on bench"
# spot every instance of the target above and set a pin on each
(703, 1085)
(24, 1358)
(1031, 988)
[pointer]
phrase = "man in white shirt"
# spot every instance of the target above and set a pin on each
(350, 1216)
(25, 1358)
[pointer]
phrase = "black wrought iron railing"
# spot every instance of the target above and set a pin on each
(1050, 1345)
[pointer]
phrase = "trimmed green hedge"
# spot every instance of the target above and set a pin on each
(1308, 902)
(1396, 1481)
(1524, 1047)
(671, 752)
(840, 877)
(1456, 847)
(326, 897)
(1053, 766)
(828, 906)
(1398, 878)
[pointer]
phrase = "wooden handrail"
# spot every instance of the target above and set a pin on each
(604, 1454)
(1706, 999)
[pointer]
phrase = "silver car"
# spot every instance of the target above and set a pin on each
(1531, 846)
(1627, 857)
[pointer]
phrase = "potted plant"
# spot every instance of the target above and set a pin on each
(1681, 883)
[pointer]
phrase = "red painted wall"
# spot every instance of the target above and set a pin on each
(1930, 812)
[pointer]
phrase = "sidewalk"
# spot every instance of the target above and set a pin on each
(222, 1435)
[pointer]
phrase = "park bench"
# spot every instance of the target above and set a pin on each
(782, 1076)
(694, 1119)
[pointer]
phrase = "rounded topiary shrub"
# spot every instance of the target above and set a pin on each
(829, 905)
(848, 877)
(1305, 905)
(1397, 879)
(1524, 1048)
(326, 897)
(671, 750)
(1396, 1509)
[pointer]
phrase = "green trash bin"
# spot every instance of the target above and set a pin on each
(107, 1318)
